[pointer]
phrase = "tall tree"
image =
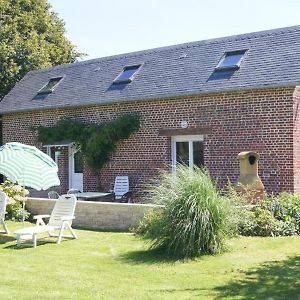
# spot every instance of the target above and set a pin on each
(31, 37)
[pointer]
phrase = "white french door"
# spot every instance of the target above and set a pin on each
(187, 150)
(75, 169)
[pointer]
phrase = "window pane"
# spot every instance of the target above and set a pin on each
(126, 75)
(198, 154)
(52, 153)
(232, 60)
(78, 162)
(182, 153)
(48, 88)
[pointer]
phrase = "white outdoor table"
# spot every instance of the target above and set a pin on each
(95, 196)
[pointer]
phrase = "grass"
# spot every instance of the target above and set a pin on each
(106, 265)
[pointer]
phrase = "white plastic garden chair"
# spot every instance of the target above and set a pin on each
(60, 219)
(3, 202)
(73, 191)
(53, 195)
(121, 189)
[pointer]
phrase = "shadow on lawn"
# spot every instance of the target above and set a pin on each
(6, 238)
(42, 241)
(28, 244)
(153, 256)
(273, 280)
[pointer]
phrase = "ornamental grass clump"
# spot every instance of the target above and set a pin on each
(194, 219)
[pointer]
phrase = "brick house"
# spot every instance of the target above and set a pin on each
(201, 102)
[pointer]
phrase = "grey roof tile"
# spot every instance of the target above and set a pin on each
(273, 59)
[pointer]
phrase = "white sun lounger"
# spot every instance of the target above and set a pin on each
(60, 219)
(3, 202)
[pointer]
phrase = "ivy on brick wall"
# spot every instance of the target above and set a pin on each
(96, 141)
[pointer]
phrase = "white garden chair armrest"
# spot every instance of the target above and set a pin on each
(67, 218)
(41, 217)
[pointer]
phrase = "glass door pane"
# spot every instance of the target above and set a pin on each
(75, 169)
(182, 153)
(52, 153)
(78, 162)
(198, 154)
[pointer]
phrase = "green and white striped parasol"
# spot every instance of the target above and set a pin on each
(28, 166)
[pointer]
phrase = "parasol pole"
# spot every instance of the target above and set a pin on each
(23, 201)
(23, 217)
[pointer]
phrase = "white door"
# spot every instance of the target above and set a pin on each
(187, 150)
(75, 169)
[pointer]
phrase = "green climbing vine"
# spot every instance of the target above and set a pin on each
(96, 141)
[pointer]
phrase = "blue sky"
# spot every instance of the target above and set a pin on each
(102, 28)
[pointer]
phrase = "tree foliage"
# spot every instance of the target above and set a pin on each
(96, 141)
(31, 37)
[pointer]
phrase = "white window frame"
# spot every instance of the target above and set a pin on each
(184, 138)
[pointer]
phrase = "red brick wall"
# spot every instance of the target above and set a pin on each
(296, 119)
(63, 171)
(259, 120)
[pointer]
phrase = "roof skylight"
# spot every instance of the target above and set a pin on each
(231, 60)
(49, 87)
(127, 75)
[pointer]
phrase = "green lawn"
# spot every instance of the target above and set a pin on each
(105, 265)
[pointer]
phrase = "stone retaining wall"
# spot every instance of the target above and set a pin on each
(97, 215)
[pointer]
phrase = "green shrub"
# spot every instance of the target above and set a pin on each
(285, 228)
(276, 215)
(285, 207)
(15, 212)
(15, 195)
(265, 222)
(195, 219)
(242, 219)
(257, 222)
(246, 222)
(151, 224)
(261, 222)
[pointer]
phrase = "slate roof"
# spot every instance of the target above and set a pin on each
(272, 59)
